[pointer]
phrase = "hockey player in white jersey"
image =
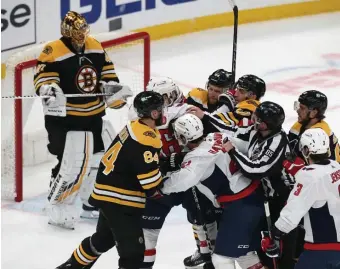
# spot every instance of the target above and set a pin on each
(217, 177)
(316, 199)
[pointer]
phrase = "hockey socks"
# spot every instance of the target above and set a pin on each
(85, 254)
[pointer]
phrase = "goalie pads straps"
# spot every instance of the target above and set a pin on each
(74, 167)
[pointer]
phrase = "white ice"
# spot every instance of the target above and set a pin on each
(291, 55)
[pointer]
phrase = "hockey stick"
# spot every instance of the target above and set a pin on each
(269, 225)
(200, 215)
(66, 95)
(233, 63)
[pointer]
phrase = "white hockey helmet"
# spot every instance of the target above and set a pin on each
(188, 128)
(314, 141)
(167, 88)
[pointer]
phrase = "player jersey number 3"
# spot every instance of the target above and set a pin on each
(111, 155)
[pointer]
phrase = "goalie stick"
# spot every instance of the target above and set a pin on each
(233, 63)
(66, 95)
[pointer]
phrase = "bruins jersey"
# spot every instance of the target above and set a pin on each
(199, 97)
(76, 73)
(241, 116)
(129, 170)
(296, 132)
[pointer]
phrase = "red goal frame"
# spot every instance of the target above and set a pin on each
(18, 125)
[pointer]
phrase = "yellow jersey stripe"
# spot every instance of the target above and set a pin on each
(75, 254)
(119, 190)
(47, 74)
(94, 103)
(108, 67)
(87, 113)
(46, 82)
(116, 201)
(87, 256)
(108, 76)
(232, 117)
(223, 118)
(152, 185)
(147, 175)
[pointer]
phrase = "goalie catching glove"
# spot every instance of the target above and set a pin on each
(119, 92)
(55, 102)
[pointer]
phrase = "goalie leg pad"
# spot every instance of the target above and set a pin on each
(108, 134)
(75, 166)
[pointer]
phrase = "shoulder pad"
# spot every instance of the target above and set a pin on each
(53, 51)
(199, 95)
(324, 126)
(295, 129)
(250, 105)
(144, 135)
(93, 45)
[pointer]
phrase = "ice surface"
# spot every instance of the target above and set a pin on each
(291, 55)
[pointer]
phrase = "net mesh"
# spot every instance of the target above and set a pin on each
(131, 64)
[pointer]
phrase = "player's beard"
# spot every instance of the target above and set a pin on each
(159, 120)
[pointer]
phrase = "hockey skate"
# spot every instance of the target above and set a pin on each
(196, 260)
(89, 212)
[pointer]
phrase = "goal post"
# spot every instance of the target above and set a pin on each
(130, 52)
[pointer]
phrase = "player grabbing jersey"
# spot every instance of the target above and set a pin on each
(315, 198)
(218, 178)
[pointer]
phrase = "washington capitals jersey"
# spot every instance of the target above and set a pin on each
(316, 199)
(211, 170)
(129, 170)
(296, 131)
(76, 73)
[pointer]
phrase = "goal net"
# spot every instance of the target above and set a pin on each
(24, 138)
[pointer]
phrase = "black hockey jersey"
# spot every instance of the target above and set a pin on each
(295, 133)
(199, 97)
(76, 73)
(129, 170)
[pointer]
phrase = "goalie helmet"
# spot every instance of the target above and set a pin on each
(314, 141)
(221, 78)
(252, 83)
(75, 27)
(188, 128)
(313, 100)
(147, 101)
(167, 88)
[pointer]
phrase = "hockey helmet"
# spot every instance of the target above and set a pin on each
(313, 100)
(188, 128)
(314, 141)
(271, 114)
(252, 83)
(167, 88)
(147, 101)
(221, 78)
(75, 27)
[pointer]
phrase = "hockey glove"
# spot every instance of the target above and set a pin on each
(228, 100)
(290, 167)
(172, 163)
(53, 100)
(272, 246)
(117, 93)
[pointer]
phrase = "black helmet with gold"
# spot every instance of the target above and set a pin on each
(75, 27)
